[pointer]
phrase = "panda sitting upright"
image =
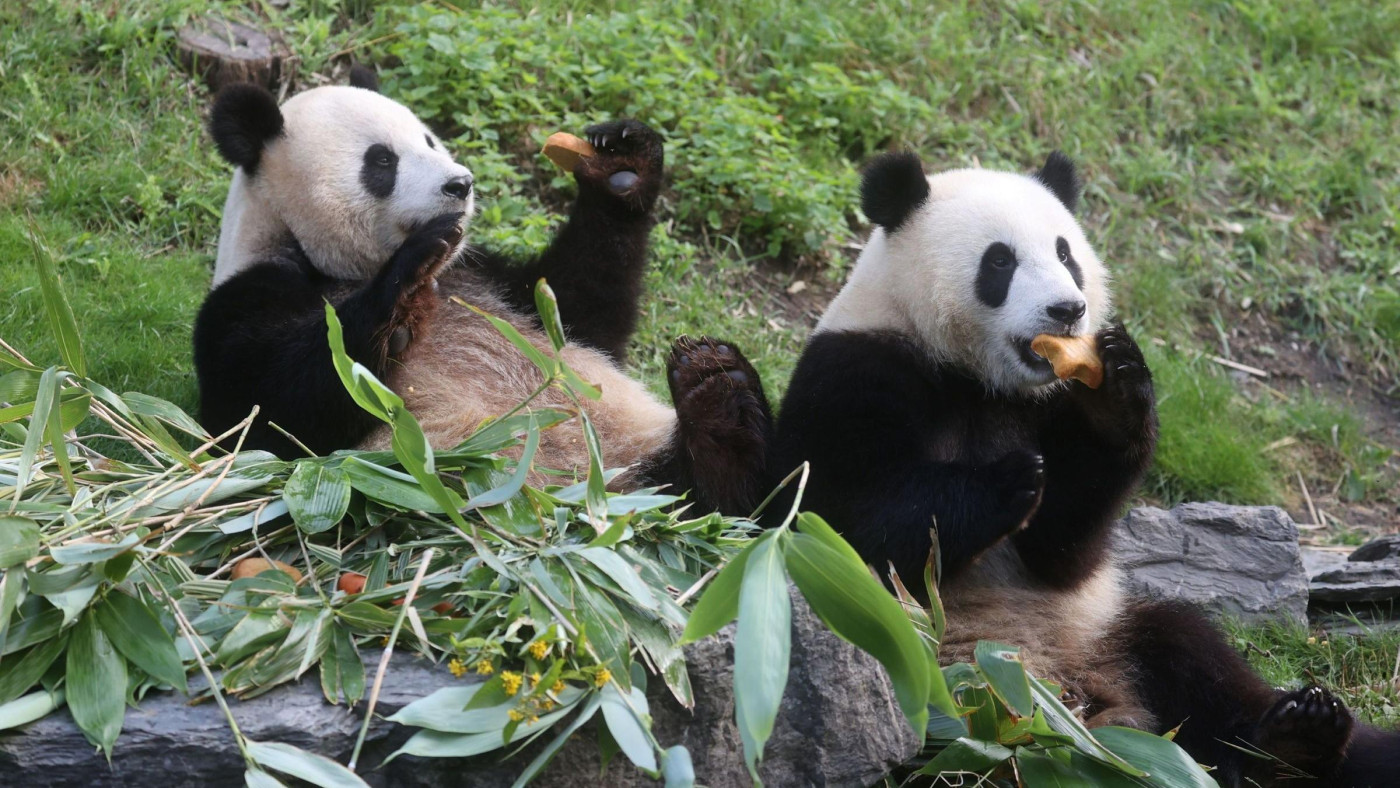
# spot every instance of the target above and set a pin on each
(342, 194)
(919, 403)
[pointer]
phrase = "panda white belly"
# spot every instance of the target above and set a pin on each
(460, 371)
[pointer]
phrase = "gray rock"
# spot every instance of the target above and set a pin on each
(1317, 559)
(1240, 561)
(1370, 574)
(839, 725)
(1377, 549)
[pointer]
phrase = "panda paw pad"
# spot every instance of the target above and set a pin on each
(1307, 729)
(695, 361)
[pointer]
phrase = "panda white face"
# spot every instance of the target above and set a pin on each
(349, 173)
(974, 264)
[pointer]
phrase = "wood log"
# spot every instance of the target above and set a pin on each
(221, 53)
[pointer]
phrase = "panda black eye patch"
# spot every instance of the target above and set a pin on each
(1062, 250)
(379, 171)
(994, 275)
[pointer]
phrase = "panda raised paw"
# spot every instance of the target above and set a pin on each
(406, 289)
(696, 362)
(629, 162)
(1018, 481)
(1306, 729)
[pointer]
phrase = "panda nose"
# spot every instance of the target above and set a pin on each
(458, 188)
(1066, 312)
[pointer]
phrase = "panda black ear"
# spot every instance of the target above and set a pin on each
(1060, 177)
(244, 119)
(892, 188)
(364, 77)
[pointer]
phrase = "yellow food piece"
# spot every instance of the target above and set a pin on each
(1074, 358)
(252, 567)
(566, 150)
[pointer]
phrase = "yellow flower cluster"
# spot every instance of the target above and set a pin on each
(558, 686)
(515, 715)
(539, 649)
(603, 677)
(458, 667)
(485, 668)
(510, 682)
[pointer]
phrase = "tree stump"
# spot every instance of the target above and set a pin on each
(221, 53)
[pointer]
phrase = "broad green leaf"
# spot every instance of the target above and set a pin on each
(308, 766)
(1063, 721)
(317, 496)
(31, 707)
(19, 540)
(762, 648)
(596, 497)
(1165, 761)
(25, 632)
(138, 635)
(435, 744)
(626, 727)
(348, 669)
(605, 628)
(510, 489)
(92, 552)
(96, 683)
(450, 710)
(1040, 770)
(61, 321)
(384, 484)
(536, 356)
(19, 673)
(943, 727)
(622, 573)
(257, 778)
(11, 586)
(157, 408)
(540, 761)
(719, 604)
(352, 374)
(856, 607)
(968, 755)
(547, 306)
(496, 435)
(1006, 675)
(817, 528)
(45, 401)
(677, 768)
(18, 386)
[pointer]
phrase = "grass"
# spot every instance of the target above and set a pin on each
(1240, 161)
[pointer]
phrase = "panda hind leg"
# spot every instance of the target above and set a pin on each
(723, 425)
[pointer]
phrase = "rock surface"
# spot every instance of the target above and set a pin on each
(1370, 574)
(839, 725)
(1241, 561)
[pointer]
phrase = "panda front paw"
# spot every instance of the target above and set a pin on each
(406, 289)
(1018, 482)
(1123, 408)
(1307, 729)
(629, 163)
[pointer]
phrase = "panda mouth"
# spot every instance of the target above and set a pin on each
(1029, 357)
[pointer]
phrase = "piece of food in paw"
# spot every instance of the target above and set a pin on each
(252, 567)
(1072, 357)
(566, 150)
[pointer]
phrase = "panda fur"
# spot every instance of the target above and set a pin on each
(917, 402)
(342, 194)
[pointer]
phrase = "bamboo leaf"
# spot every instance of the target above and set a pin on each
(677, 768)
(138, 635)
(257, 778)
(45, 401)
(1063, 721)
(540, 761)
(621, 573)
(762, 647)
(308, 766)
(19, 541)
(854, 606)
(56, 306)
(968, 755)
(317, 496)
(1166, 764)
(96, 683)
(92, 552)
(627, 729)
(596, 497)
(1006, 675)
(510, 489)
(547, 306)
(19, 673)
(719, 604)
(353, 375)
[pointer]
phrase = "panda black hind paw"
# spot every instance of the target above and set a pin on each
(695, 361)
(1307, 729)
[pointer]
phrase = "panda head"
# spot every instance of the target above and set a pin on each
(975, 263)
(346, 172)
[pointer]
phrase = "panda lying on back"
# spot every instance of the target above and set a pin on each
(919, 402)
(344, 195)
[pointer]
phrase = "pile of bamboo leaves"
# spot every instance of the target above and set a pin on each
(119, 548)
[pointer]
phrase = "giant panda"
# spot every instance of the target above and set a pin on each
(918, 403)
(343, 194)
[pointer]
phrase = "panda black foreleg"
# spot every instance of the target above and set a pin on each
(723, 428)
(1098, 444)
(596, 262)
